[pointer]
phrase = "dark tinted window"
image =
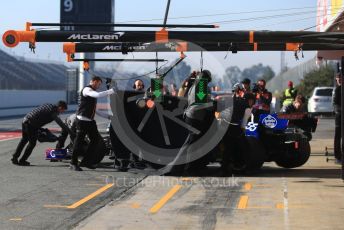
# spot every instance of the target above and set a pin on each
(324, 92)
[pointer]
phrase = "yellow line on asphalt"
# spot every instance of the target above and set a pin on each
(83, 200)
(248, 186)
(262, 186)
(16, 219)
(135, 205)
(91, 196)
(164, 200)
(280, 206)
(243, 202)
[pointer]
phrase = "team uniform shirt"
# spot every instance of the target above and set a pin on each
(88, 102)
(43, 115)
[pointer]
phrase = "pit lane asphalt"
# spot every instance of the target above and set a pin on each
(41, 196)
(36, 197)
(308, 197)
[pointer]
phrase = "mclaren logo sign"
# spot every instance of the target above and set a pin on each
(116, 48)
(115, 36)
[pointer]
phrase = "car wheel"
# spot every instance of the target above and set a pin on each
(256, 154)
(293, 157)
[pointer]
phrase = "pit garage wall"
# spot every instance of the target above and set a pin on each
(19, 102)
(330, 18)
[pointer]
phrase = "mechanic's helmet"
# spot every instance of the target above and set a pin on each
(206, 74)
(246, 81)
(237, 86)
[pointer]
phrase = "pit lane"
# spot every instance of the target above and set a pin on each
(48, 195)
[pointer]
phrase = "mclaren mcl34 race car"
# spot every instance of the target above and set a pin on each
(282, 138)
(155, 131)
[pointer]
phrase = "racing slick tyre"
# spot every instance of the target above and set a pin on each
(95, 154)
(295, 156)
(256, 155)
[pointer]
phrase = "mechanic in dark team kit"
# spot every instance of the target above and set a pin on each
(34, 120)
(235, 140)
(85, 123)
(337, 100)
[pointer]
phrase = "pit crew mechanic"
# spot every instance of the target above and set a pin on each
(70, 122)
(234, 139)
(124, 159)
(85, 123)
(296, 106)
(263, 99)
(198, 116)
(336, 101)
(32, 121)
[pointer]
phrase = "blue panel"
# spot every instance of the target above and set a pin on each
(55, 154)
(271, 121)
(251, 129)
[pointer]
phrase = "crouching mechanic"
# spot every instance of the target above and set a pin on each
(85, 123)
(34, 120)
(71, 124)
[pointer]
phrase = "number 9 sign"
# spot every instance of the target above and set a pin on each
(68, 5)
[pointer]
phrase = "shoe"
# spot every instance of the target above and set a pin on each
(121, 165)
(138, 165)
(23, 163)
(74, 167)
(15, 161)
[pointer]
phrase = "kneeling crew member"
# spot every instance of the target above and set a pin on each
(85, 123)
(70, 123)
(34, 120)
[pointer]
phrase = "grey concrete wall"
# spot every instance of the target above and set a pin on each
(19, 102)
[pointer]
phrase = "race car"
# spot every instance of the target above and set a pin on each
(156, 131)
(282, 138)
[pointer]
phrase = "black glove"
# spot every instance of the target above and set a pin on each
(108, 83)
(58, 146)
(60, 142)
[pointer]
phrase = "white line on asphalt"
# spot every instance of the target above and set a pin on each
(285, 203)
